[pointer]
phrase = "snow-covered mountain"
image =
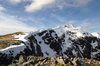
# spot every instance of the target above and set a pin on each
(64, 41)
(96, 34)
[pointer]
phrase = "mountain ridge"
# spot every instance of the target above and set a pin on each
(67, 41)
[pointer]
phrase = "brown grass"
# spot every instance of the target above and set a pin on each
(6, 43)
(9, 39)
(10, 36)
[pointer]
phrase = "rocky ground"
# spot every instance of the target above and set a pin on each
(57, 61)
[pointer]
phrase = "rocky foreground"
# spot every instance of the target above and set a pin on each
(58, 61)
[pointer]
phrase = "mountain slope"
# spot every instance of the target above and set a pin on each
(67, 41)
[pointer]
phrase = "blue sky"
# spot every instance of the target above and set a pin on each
(30, 15)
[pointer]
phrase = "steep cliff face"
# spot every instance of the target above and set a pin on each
(64, 41)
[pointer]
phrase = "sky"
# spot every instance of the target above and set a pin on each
(31, 15)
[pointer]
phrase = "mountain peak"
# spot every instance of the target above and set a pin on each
(96, 34)
(67, 41)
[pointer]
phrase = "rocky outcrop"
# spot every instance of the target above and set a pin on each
(57, 61)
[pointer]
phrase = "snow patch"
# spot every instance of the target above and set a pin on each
(96, 34)
(21, 37)
(45, 48)
(15, 49)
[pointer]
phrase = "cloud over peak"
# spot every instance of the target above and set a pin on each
(2, 8)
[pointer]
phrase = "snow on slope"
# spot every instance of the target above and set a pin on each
(21, 37)
(45, 48)
(37, 41)
(76, 30)
(13, 49)
(96, 34)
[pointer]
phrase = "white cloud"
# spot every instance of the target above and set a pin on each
(57, 17)
(91, 25)
(71, 3)
(2, 8)
(9, 24)
(38, 5)
(15, 1)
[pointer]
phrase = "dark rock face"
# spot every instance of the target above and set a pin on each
(48, 43)
(49, 38)
(83, 46)
(87, 45)
(4, 59)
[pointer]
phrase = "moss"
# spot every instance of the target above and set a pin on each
(59, 64)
